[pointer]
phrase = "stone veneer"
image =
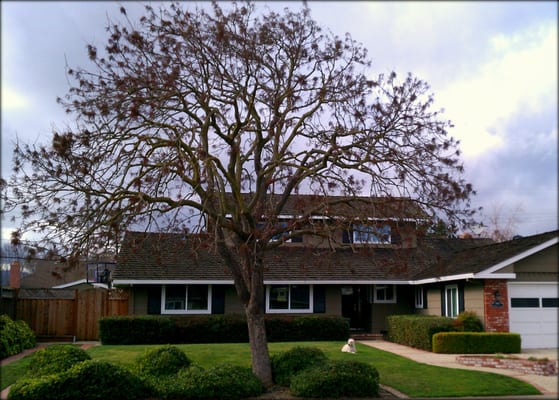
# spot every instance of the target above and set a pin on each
(527, 366)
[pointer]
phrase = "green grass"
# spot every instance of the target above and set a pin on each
(407, 376)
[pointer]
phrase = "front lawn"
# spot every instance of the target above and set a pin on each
(407, 376)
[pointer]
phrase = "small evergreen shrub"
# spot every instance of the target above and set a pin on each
(476, 342)
(224, 381)
(468, 321)
(288, 363)
(45, 387)
(88, 380)
(15, 336)
(166, 360)
(55, 359)
(337, 379)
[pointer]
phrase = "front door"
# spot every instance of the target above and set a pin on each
(355, 307)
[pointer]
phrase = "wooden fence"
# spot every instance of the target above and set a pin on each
(56, 314)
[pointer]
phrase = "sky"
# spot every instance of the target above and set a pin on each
(492, 67)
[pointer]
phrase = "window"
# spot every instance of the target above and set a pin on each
(186, 299)
(451, 301)
(376, 234)
(419, 303)
(385, 294)
(281, 236)
(289, 298)
(525, 302)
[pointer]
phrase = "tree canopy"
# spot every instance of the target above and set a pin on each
(183, 112)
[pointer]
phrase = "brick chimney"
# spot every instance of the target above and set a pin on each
(15, 274)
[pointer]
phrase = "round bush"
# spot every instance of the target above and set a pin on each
(468, 321)
(289, 363)
(336, 379)
(55, 359)
(46, 387)
(15, 336)
(166, 360)
(224, 381)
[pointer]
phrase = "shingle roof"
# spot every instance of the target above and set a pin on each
(351, 207)
(153, 256)
(480, 258)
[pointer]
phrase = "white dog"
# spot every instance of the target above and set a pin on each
(349, 347)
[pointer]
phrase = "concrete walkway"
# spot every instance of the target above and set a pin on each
(548, 385)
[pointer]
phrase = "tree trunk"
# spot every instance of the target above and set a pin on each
(261, 365)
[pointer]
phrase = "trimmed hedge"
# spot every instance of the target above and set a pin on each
(15, 336)
(476, 342)
(142, 329)
(417, 330)
(231, 328)
(338, 378)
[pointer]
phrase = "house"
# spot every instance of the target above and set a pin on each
(365, 270)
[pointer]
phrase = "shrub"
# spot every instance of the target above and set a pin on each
(145, 329)
(210, 329)
(166, 360)
(417, 330)
(15, 336)
(288, 363)
(337, 379)
(468, 321)
(87, 380)
(56, 359)
(476, 342)
(220, 382)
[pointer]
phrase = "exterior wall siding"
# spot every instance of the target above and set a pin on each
(540, 267)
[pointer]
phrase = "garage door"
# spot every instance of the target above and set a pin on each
(533, 313)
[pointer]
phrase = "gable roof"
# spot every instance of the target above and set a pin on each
(350, 207)
(485, 261)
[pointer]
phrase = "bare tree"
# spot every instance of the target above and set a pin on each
(502, 222)
(182, 112)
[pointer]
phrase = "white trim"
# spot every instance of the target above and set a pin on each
(80, 282)
(394, 298)
(519, 257)
(185, 311)
(171, 282)
(309, 310)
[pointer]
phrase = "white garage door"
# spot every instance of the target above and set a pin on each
(533, 313)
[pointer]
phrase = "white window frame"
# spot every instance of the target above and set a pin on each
(372, 232)
(185, 310)
(378, 288)
(419, 295)
(289, 310)
(451, 299)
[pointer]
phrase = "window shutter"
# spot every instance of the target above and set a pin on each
(461, 298)
(443, 301)
(218, 299)
(319, 299)
(154, 300)
(346, 236)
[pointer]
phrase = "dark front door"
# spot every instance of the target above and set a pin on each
(355, 307)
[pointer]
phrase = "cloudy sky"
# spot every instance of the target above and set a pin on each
(492, 67)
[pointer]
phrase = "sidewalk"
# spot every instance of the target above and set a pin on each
(548, 385)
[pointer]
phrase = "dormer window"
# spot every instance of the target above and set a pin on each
(368, 234)
(283, 236)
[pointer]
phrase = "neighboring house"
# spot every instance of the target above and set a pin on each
(372, 268)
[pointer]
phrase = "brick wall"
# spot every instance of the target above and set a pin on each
(496, 306)
(537, 367)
